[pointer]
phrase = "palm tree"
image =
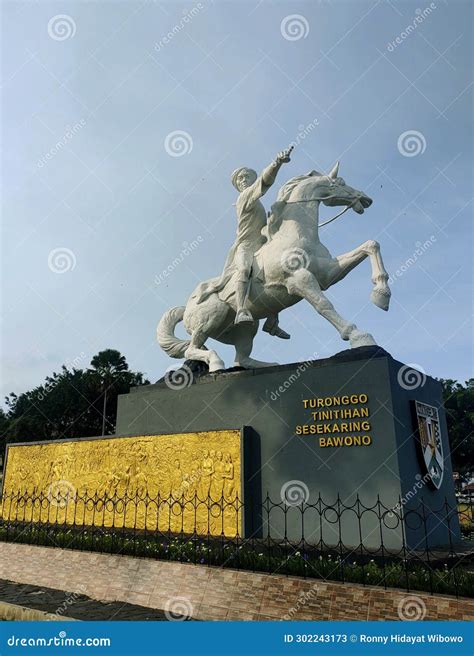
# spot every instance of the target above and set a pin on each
(109, 366)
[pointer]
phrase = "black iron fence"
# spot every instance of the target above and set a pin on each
(390, 546)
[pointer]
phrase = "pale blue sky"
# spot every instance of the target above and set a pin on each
(228, 77)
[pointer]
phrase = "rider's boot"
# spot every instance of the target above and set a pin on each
(243, 315)
(271, 326)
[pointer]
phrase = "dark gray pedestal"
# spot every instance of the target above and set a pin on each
(386, 474)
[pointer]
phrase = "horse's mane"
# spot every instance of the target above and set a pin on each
(276, 213)
(286, 190)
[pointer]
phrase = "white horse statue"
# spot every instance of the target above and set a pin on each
(291, 265)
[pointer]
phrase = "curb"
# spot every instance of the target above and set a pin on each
(14, 613)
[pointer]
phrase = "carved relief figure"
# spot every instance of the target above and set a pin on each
(138, 485)
(228, 478)
(186, 486)
(176, 480)
(194, 481)
(217, 486)
(207, 470)
(113, 482)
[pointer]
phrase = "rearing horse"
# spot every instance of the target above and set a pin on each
(292, 265)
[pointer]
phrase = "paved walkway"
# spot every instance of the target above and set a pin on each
(213, 593)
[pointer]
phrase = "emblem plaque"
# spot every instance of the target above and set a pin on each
(430, 444)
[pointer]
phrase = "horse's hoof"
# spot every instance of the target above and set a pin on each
(381, 298)
(361, 339)
(215, 363)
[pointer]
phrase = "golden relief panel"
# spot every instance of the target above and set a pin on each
(184, 482)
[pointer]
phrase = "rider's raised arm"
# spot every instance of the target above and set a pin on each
(270, 173)
(264, 181)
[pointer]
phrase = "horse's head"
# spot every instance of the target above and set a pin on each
(327, 188)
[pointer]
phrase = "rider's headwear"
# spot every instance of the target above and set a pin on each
(235, 174)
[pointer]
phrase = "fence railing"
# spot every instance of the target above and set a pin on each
(348, 542)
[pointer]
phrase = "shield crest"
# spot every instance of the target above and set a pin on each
(430, 444)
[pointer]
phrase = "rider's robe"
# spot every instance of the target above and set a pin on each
(251, 219)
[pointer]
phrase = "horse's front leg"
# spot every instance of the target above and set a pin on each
(303, 283)
(341, 265)
(243, 336)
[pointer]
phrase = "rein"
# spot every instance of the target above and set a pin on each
(320, 225)
(348, 207)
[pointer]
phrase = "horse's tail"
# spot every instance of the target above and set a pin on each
(173, 346)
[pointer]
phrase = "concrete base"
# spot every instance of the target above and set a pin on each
(282, 454)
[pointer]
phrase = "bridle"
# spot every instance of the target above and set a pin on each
(320, 225)
(348, 207)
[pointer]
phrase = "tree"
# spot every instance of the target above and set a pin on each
(70, 403)
(110, 367)
(459, 405)
(109, 363)
(4, 425)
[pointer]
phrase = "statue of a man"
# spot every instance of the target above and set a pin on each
(251, 219)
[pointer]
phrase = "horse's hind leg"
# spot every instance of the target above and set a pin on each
(340, 266)
(202, 320)
(195, 351)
